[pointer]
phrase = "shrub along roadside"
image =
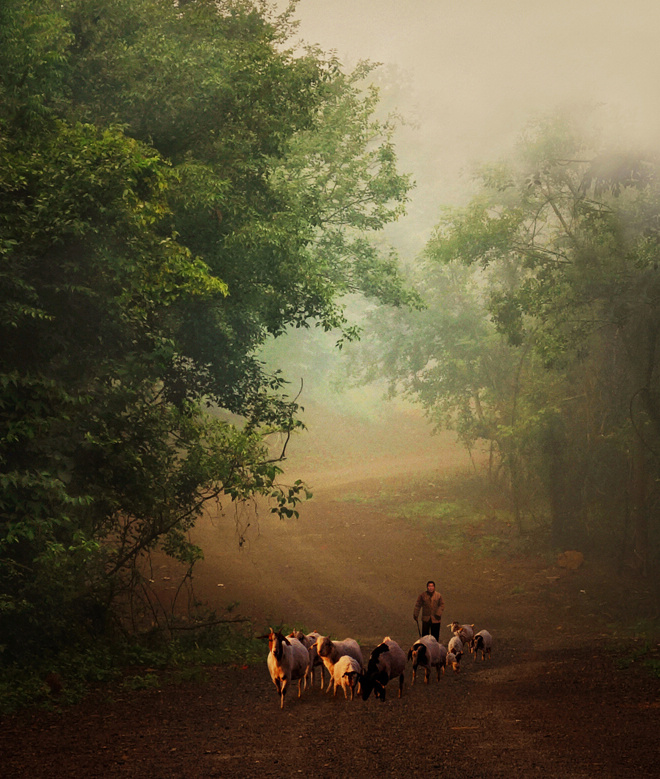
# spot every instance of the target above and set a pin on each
(142, 662)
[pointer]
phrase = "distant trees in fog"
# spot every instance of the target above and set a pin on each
(541, 336)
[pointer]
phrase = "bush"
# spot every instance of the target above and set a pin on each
(64, 677)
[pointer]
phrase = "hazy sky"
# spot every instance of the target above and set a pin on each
(480, 69)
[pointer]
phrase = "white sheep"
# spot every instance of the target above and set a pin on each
(387, 661)
(455, 649)
(427, 653)
(288, 661)
(347, 672)
(330, 651)
(483, 642)
(309, 640)
(464, 632)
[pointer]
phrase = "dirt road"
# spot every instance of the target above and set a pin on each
(554, 701)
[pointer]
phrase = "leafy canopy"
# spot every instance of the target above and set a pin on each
(176, 184)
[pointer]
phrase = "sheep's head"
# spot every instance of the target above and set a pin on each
(324, 646)
(276, 642)
(375, 682)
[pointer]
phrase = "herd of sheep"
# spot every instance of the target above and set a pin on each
(296, 656)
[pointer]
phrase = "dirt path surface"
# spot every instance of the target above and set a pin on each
(553, 701)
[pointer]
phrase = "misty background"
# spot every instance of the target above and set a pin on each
(463, 81)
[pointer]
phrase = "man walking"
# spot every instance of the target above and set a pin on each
(431, 604)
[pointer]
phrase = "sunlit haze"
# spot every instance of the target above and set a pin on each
(479, 70)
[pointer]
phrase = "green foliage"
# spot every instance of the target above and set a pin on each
(146, 681)
(641, 649)
(175, 186)
(540, 336)
(288, 497)
(340, 177)
(568, 235)
(56, 679)
(452, 523)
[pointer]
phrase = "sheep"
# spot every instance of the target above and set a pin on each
(330, 651)
(427, 653)
(453, 662)
(483, 642)
(288, 661)
(387, 661)
(309, 641)
(314, 659)
(347, 672)
(455, 649)
(464, 632)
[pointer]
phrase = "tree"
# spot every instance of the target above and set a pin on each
(163, 210)
(558, 296)
(579, 225)
(450, 358)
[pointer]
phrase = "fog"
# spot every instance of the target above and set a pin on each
(479, 70)
(466, 77)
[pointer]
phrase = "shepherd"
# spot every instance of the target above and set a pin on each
(431, 604)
